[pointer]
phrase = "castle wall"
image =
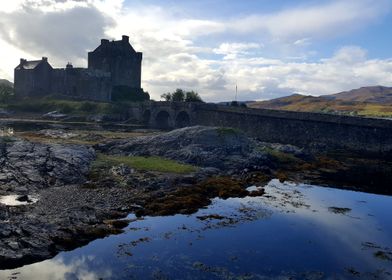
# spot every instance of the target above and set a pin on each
(88, 84)
(58, 82)
(23, 82)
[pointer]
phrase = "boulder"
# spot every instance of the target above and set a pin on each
(34, 165)
(222, 148)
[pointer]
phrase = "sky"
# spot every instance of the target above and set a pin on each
(267, 48)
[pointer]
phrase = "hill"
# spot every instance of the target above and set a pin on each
(6, 82)
(376, 94)
(366, 101)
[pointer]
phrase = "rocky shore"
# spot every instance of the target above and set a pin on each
(73, 187)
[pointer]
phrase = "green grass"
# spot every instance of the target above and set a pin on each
(144, 163)
(47, 104)
(280, 156)
(228, 131)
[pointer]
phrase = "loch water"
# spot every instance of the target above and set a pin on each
(294, 231)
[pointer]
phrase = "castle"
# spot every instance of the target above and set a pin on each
(112, 64)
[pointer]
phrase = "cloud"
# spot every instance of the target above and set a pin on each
(334, 18)
(61, 35)
(57, 268)
(233, 50)
(206, 55)
(348, 55)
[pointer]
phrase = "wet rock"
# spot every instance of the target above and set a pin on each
(26, 165)
(57, 133)
(23, 198)
(121, 170)
(56, 115)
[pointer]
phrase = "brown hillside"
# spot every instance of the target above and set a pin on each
(376, 94)
(367, 101)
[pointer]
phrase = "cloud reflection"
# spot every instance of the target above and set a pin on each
(56, 269)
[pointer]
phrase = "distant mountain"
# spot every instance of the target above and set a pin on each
(373, 101)
(376, 94)
(6, 82)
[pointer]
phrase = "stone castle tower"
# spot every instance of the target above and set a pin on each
(120, 59)
(112, 64)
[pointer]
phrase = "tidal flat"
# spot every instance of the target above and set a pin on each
(194, 203)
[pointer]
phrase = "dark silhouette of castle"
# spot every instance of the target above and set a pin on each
(112, 64)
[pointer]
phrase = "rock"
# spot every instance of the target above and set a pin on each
(291, 149)
(222, 148)
(54, 115)
(4, 112)
(96, 118)
(121, 170)
(57, 133)
(23, 198)
(34, 165)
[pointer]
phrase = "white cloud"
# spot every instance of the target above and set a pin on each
(302, 42)
(334, 18)
(233, 50)
(349, 55)
(57, 269)
(179, 51)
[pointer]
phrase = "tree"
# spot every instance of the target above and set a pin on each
(182, 96)
(192, 96)
(6, 92)
(178, 95)
(166, 96)
(234, 103)
(125, 93)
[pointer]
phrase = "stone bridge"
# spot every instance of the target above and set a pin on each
(164, 115)
(297, 128)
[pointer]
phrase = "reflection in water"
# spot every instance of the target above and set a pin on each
(58, 269)
(15, 200)
(6, 131)
(289, 232)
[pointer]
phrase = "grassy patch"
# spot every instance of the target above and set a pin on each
(144, 163)
(83, 137)
(228, 131)
(281, 157)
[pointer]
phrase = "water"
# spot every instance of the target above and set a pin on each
(12, 200)
(292, 232)
(9, 126)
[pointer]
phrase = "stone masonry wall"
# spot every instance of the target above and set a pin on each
(302, 129)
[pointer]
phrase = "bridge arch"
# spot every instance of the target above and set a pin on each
(182, 119)
(162, 120)
(146, 117)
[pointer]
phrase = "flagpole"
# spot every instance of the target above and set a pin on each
(236, 90)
